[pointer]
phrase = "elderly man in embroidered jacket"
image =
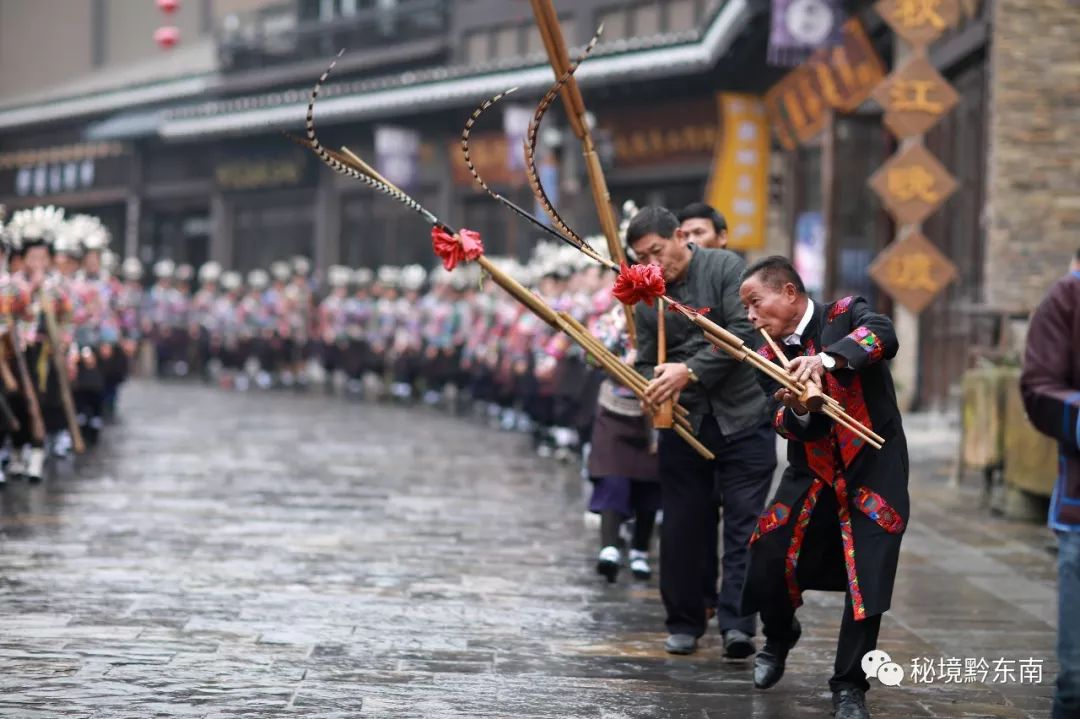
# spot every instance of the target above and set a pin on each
(1050, 385)
(836, 521)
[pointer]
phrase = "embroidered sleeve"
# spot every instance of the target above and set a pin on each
(871, 337)
(839, 307)
(869, 342)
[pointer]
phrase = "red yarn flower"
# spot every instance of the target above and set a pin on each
(639, 282)
(452, 249)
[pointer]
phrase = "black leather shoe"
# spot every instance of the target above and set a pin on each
(681, 644)
(850, 704)
(770, 662)
(738, 644)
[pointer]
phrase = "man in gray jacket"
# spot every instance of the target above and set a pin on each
(728, 413)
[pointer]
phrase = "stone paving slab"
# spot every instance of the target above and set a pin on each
(280, 555)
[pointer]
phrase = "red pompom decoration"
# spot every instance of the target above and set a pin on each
(166, 37)
(168, 6)
(639, 282)
(465, 246)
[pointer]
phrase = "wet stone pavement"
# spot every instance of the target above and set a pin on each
(276, 555)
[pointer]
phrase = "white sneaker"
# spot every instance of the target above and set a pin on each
(35, 466)
(607, 564)
(61, 446)
(16, 467)
(639, 564)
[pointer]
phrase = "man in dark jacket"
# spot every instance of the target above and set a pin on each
(840, 511)
(1050, 385)
(727, 410)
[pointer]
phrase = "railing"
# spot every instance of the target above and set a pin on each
(279, 34)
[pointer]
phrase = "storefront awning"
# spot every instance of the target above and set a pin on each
(127, 125)
(104, 102)
(427, 92)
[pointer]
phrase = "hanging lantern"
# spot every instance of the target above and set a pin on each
(166, 37)
(168, 6)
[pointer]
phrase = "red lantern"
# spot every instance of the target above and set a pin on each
(168, 6)
(166, 36)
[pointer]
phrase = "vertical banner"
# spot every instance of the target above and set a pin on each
(800, 27)
(397, 154)
(548, 172)
(739, 183)
(516, 120)
(809, 259)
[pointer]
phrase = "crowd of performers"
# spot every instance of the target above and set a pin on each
(63, 338)
(395, 333)
(452, 338)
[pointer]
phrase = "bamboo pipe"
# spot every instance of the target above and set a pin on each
(662, 413)
(56, 353)
(546, 313)
(635, 383)
(547, 20)
(624, 374)
(608, 360)
(730, 343)
(551, 33)
(812, 397)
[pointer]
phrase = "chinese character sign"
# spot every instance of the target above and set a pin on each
(915, 97)
(913, 271)
(738, 186)
(840, 77)
(912, 185)
(919, 22)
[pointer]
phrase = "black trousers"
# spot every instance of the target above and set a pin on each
(822, 543)
(691, 485)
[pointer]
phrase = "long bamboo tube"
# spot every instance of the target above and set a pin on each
(662, 415)
(730, 343)
(812, 396)
(604, 356)
(547, 21)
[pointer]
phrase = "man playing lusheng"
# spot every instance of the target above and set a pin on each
(727, 411)
(839, 513)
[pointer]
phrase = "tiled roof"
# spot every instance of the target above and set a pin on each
(168, 108)
(436, 88)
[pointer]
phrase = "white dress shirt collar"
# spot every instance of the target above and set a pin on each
(795, 338)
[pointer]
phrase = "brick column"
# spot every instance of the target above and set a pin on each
(1033, 196)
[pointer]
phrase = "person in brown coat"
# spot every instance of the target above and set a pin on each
(1050, 385)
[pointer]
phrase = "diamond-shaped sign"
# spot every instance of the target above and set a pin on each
(915, 97)
(912, 184)
(913, 271)
(920, 22)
